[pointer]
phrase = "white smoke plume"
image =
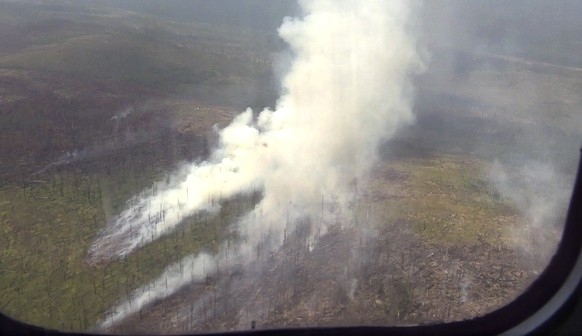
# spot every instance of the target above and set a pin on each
(190, 269)
(538, 190)
(348, 90)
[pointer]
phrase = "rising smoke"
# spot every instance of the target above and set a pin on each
(538, 190)
(347, 91)
(496, 84)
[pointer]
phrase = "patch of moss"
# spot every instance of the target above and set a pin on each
(446, 199)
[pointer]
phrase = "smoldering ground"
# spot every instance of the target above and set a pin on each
(348, 89)
(461, 107)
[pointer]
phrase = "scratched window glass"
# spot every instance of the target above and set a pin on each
(212, 165)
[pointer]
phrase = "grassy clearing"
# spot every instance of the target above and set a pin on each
(445, 199)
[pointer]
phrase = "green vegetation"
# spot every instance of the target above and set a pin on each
(46, 229)
(445, 199)
(47, 226)
(65, 72)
